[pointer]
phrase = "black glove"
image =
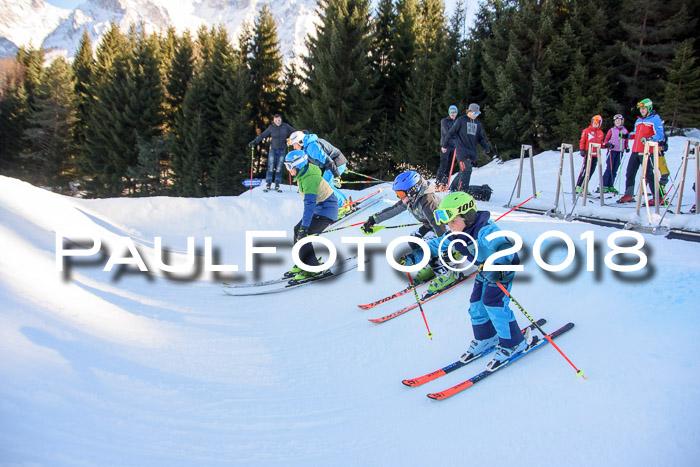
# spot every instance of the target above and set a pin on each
(251, 144)
(627, 149)
(644, 140)
(408, 260)
(302, 232)
(367, 226)
(583, 153)
(609, 145)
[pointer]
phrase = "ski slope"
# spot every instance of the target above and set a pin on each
(124, 367)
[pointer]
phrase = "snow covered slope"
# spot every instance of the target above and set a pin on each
(127, 368)
(59, 30)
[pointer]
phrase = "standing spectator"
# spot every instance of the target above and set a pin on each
(447, 148)
(615, 142)
(468, 133)
(327, 157)
(648, 127)
(278, 133)
(591, 134)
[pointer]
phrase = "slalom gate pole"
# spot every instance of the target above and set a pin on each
(365, 176)
(516, 207)
(252, 159)
(546, 336)
(415, 292)
(452, 165)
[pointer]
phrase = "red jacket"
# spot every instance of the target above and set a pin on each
(591, 135)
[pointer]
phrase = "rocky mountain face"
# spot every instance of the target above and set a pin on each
(58, 31)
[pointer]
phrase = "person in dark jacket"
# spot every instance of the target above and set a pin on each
(447, 147)
(417, 197)
(278, 133)
(469, 133)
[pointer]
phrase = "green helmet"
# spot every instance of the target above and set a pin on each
(645, 103)
(453, 205)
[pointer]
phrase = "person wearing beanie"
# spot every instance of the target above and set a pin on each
(468, 133)
(447, 148)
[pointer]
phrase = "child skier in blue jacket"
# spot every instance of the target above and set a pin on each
(492, 319)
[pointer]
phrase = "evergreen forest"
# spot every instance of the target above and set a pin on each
(172, 113)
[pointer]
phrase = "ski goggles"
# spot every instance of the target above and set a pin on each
(443, 216)
(410, 194)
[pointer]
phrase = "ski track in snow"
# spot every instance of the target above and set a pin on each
(125, 368)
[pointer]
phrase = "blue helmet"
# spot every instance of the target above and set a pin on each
(408, 183)
(296, 160)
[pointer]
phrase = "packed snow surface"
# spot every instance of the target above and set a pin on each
(124, 367)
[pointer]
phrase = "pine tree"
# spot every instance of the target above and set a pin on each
(83, 71)
(50, 124)
(13, 110)
(340, 101)
(103, 173)
(651, 30)
(681, 98)
(265, 62)
(420, 124)
(178, 77)
(142, 117)
(232, 165)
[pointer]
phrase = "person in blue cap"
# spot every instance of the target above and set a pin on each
(468, 133)
(447, 148)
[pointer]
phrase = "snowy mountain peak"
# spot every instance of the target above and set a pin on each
(59, 30)
(25, 22)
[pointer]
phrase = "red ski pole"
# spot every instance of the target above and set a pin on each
(546, 336)
(516, 207)
(410, 280)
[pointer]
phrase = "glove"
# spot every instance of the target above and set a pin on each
(609, 146)
(498, 276)
(367, 226)
(251, 144)
(644, 140)
(408, 260)
(302, 232)
(627, 149)
(583, 153)
(336, 182)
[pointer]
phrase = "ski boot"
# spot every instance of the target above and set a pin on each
(442, 282)
(612, 190)
(267, 188)
(344, 210)
(504, 354)
(296, 270)
(477, 347)
(424, 275)
(626, 199)
(277, 188)
(303, 275)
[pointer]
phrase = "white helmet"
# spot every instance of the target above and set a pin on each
(297, 138)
